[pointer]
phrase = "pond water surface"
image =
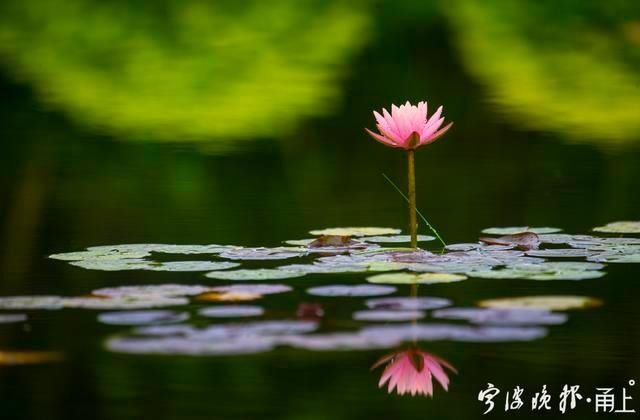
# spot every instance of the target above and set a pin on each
(67, 185)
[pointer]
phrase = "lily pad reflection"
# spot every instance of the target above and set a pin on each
(12, 318)
(142, 317)
(407, 303)
(345, 290)
(433, 332)
(231, 311)
(551, 303)
(388, 315)
(502, 316)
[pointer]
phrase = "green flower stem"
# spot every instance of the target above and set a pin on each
(413, 220)
(424, 219)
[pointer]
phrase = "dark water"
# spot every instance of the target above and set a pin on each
(67, 183)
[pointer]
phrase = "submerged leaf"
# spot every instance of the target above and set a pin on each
(620, 227)
(551, 303)
(356, 231)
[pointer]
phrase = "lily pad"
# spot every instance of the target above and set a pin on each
(100, 254)
(551, 303)
(164, 248)
(142, 317)
(124, 302)
(335, 241)
(256, 274)
(115, 264)
(475, 246)
(154, 290)
(620, 227)
(520, 229)
(299, 242)
(259, 289)
(407, 303)
(561, 253)
(344, 341)
(31, 302)
(356, 231)
(230, 311)
(194, 265)
(186, 346)
(616, 258)
(387, 315)
(346, 290)
(325, 268)
(524, 240)
(410, 278)
(398, 239)
(12, 318)
(262, 328)
(280, 253)
(455, 332)
(544, 271)
(502, 316)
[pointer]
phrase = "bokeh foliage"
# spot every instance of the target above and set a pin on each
(190, 70)
(569, 67)
(219, 72)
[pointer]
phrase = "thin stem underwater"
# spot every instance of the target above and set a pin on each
(424, 219)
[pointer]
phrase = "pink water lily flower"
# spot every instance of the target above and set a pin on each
(412, 372)
(408, 127)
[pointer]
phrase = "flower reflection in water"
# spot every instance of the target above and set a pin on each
(412, 372)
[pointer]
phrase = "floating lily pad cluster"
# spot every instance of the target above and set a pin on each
(379, 265)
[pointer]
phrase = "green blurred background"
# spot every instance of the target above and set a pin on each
(242, 123)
